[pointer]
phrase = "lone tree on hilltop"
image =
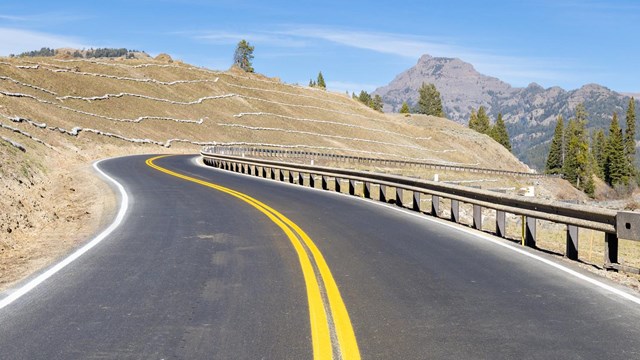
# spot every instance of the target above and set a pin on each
(429, 102)
(320, 82)
(555, 159)
(499, 133)
(243, 56)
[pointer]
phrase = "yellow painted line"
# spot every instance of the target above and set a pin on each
(321, 341)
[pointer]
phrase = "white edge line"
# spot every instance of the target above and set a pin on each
(124, 204)
(475, 233)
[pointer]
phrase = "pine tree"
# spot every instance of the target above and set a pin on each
(555, 159)
(364, 97)
(630, 137)
(320, 81)
(312, 83)
(616, 165)
(429, 102)
(484, 124)
(405, 108)
(577, 168)
(598, 149)
(243, 56)
(473, 120)
(499, 133)
(376, 103)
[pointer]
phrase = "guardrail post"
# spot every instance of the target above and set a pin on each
(252, 170)
(382, 196)
(477, 217)
(325, 185)
(290, 177)
(399, 193)
(352, 187)
(415, 206)
(572, 242)
(455, 211)
(264, 172)
(530, 232)
(300, 179)
(610, 249)
(435, 205)
(501, 230)
(312, 181)
(366, 190)
(336, 182)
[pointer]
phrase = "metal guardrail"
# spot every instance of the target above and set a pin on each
(615, 225)
(260, 152)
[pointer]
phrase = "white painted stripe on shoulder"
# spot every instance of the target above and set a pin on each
(497, 241)
(124, 205)
(519, 250)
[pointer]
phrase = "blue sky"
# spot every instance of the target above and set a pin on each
(356, 44)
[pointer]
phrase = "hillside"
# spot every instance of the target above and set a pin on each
(59, 115)
(530, 113)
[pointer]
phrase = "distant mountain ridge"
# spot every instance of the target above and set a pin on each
(529, 112)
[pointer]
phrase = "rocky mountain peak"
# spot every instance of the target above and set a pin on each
(529, 112)
(461, 86)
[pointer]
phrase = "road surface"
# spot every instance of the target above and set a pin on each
(193, 272)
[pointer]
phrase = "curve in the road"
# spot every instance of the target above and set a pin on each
(194, 273)
(317, 277)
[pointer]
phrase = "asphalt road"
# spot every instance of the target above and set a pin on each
(194, 273)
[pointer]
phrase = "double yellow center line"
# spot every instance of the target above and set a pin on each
(319, 307)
